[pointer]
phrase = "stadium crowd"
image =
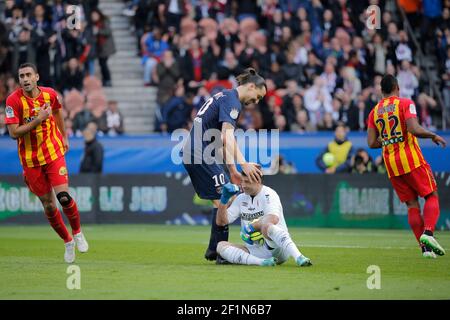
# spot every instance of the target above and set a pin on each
(65, 46)
(322, 64)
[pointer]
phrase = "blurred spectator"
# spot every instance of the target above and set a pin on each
(72, 76)
(302, 125)
(92, 161)
(167, 75)
(327, 123)
(175, 9)
(176, 112)
(317, 101)
(153, 48)
(81, 120)
(114, 119)
(378, 51)
(3, 127)
(341, 150)
(425, 106)
(362, 162)
(101, 29)
(280, 122)
(432, 12)
(68, 125)
(403, 50)
(446, 85)
(407, 80)
(330, 77)
(352, 85)
(279, 165)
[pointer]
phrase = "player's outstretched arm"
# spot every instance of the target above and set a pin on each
(232, 154)
(16, 131)
(372, 139)
(417, 130)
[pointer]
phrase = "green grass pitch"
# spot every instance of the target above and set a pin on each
(166, 262)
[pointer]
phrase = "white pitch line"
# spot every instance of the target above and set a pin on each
(349, 247)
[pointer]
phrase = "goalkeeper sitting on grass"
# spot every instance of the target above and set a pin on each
(263, 229)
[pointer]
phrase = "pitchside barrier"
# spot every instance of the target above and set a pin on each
(310, 200)
(154, 153)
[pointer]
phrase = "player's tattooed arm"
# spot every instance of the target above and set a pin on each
(373, 140)
(16, 131)
(417, 130)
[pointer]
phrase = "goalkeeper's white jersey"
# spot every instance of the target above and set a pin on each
(249, 208)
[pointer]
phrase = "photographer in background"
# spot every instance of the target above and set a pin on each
(362, 162)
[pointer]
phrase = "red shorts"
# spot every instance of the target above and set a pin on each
(418, 183)
(41, 179)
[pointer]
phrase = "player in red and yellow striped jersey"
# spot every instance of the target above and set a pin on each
(34, 118)
(393, 126)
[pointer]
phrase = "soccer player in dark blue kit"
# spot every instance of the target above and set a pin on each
(212, 139)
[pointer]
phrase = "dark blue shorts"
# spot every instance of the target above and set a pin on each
(207, 180)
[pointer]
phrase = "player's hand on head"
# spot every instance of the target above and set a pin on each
(439, 141)
(253, 171)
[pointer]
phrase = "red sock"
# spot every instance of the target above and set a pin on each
(57, 223)
(71, 212)
(416, 222)
(431, 212)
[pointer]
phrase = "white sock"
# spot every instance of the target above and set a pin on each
(283, 240)
(238, 256)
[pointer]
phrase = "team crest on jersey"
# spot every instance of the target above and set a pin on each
(9, 112)
(234, 113)
(62, 171)
(267, 198)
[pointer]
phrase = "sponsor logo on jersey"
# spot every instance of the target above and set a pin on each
(412, 108)
(29, 119)
(62, 171)
(9, 112)
(234, 113)
(244, 204)
(251, 216)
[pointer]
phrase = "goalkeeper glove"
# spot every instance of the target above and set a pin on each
(257, 237)
(228, 191)
(250, 235)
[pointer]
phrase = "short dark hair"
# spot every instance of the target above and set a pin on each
(28, 65)
(251, 76)
(388, 84)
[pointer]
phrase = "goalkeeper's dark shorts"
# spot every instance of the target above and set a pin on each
(207, 179)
